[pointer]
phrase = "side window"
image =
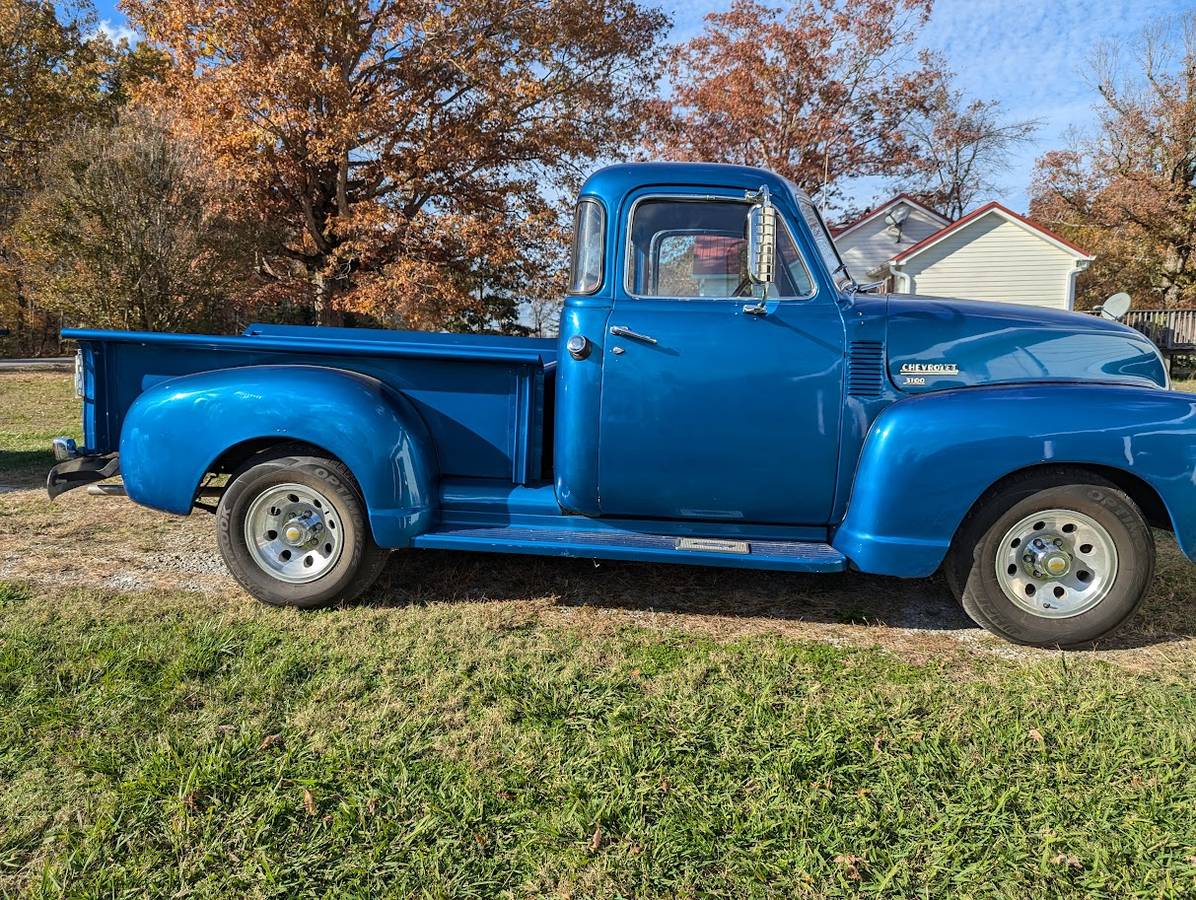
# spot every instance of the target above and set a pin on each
(589, 247)
(792, 267)
(686, 249)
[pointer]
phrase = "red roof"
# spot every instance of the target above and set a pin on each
(716, 254)
(877, 210)
(975, 214)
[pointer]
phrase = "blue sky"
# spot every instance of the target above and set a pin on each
(1029, 54)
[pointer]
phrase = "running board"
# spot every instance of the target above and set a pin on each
(789, 556)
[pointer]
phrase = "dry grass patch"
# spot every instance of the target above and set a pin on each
(35, 407)
(107, 542)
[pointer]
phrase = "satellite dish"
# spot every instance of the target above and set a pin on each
(1116, 306)
(894, 217)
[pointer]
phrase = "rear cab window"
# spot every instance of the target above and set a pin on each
(589, 248)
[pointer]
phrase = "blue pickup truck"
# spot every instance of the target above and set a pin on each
(722, 393)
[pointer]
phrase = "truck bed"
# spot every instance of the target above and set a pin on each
(484, 398)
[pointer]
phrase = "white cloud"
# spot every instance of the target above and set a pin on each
(117, 33)
(1034, 58)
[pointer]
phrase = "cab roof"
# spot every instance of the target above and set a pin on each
(613, 183)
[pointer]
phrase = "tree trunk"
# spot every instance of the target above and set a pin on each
(1172, 271)
(322, 296)
(324, 293)
(21, 329)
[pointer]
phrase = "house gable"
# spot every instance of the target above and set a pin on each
(868, 244)
(993, 254)
(994, 209)
(843, 231)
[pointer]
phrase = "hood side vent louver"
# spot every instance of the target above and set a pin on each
(866, 369)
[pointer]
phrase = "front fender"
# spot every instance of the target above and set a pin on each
(927, 460)
(176, 430)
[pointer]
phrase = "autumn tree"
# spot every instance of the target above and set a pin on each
(56, 73)
(1128, 191)
(543, 292)
(406, 150)
(960, 148)
(128, 232)
(816, 91)
(48, 76)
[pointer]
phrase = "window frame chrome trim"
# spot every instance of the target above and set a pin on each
(706, 198)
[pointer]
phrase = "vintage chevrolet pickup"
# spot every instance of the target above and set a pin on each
(722, 393)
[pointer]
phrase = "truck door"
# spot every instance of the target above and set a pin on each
(708, 411)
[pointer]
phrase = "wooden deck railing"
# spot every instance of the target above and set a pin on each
(1170, 329)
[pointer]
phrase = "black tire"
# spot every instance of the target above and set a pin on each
(971, 565)
(360, 560)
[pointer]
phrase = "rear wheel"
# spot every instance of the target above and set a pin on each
(1050, 564)
(292, 529)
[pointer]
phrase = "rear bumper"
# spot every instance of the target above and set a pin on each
(81, 470)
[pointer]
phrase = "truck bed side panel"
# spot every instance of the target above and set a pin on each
(483, 406)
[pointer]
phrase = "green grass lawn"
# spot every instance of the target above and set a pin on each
(173, 743)
(159, 745)
(35, 407)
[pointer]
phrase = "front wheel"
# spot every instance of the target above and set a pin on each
(292, 529)
(1053, 564)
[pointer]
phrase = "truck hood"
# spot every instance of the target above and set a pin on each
(936, 344)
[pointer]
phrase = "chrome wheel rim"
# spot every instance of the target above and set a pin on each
(293, 533)
(1057, 563)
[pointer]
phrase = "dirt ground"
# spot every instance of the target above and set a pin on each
(83, 540)
(88, 541)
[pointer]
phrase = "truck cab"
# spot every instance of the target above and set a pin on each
(687, 367)
(721, 393)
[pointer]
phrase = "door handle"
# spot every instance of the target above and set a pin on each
(624, 331)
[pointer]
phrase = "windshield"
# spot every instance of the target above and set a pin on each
(822, 238)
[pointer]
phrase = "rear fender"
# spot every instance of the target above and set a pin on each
(928, 459)
(176, 430)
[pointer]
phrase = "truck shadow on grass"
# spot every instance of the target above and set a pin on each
(22, 470)
(430, 576)
(741, 600)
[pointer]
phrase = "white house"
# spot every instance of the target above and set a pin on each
(989, 254)
(868, 243)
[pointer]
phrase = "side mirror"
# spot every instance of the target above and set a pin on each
(761, 250)
(762, 240)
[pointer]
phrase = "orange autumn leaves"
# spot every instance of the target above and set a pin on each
(1126, 191)
(404, 150)
(815, 91)
(408, 163)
